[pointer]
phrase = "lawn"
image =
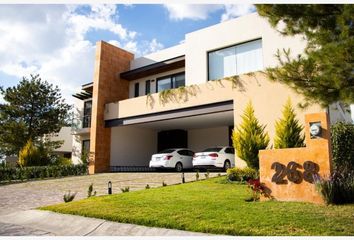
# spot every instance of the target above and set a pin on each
(212, 206)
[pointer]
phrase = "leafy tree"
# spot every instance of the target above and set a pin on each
(324, 73)
(32, 110)
(288, 131)
(249, 137)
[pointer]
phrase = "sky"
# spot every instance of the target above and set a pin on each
(58, 41)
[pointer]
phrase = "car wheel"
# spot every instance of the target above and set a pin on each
(227, 165)
(179, 167)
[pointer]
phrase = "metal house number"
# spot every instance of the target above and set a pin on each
(292, 173)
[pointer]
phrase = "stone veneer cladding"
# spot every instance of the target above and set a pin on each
(107, 87)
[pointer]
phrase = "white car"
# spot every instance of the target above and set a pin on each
(215, 157)
(177, 158)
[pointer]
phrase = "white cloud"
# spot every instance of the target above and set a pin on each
(191, 11)
(236, 10)
(51, 40)
(179, 12)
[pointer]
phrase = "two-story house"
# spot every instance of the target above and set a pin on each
(190, 95)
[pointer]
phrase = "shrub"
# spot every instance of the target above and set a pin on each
(29, 155)
(257, 189)
(342, 137)
(68, 197)
(207, 175)
(338, 188)
(249, 137)
(288, 131)
(147, 186)
(60, 160)
(241, 174)
(90, 192)
(126, 189)
(197, 175)
(13, 174)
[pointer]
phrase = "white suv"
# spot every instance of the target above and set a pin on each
(177, 158)
(215, 157)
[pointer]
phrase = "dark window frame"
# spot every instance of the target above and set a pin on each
(147, 83)
(136, 89)
(83, 144)
(228, 46)
(171, 76)
(86, 119)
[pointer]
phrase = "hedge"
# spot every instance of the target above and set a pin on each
(342, 136)
(40, 172)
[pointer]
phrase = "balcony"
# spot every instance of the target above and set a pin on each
(174, 99)
(81, 124)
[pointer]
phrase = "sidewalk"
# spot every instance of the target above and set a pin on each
(40, 223)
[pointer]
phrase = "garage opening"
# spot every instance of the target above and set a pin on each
(132, 145)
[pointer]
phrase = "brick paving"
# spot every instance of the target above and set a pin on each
(33, 194)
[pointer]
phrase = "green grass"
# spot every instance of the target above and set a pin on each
(213, 207)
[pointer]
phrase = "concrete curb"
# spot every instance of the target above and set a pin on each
(71, 225)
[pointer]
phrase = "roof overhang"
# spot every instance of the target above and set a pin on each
(86, 92)
(155, 68)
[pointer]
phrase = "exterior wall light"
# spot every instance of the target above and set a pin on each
(109, 187)
(315, 129)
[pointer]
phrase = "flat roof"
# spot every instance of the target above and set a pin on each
(151, 69)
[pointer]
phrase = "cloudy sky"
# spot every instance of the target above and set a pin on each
(58, 41)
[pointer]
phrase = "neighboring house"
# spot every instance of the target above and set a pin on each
(128, 112)
(65, 149)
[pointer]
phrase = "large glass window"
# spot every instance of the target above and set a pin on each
(163, 84)
(235, 60)
(168, 82)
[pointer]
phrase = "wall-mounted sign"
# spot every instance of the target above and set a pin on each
(294, 172)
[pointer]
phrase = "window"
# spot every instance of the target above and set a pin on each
(136, 90)
(186, 153)
(235, 60)
(147, 87)
(86, 121)
(230, 150)
(217, 149)
(85, 146)
(168, 82)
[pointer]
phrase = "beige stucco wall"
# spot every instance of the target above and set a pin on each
(63, 135)
(267, 97)
(153, 82)
(132, 146)
(199, 139)
(77, 147)
(235, 31)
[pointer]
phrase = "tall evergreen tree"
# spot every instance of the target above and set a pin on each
(32, 109)
(249, 137)
(324, 72)
(288, 131)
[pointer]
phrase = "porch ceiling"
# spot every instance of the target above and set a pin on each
(193, 122)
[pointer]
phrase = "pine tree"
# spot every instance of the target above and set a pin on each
(31, 110)
(249, 137)
(324, 72)
(288, 131)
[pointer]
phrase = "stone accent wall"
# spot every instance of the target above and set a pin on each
(107, 87)
(317, 151)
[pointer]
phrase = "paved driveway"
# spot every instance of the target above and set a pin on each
(17, 200)
(33, 194)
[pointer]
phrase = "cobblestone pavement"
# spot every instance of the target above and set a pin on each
(33, 194)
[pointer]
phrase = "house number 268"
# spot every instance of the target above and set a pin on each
(293, 174)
